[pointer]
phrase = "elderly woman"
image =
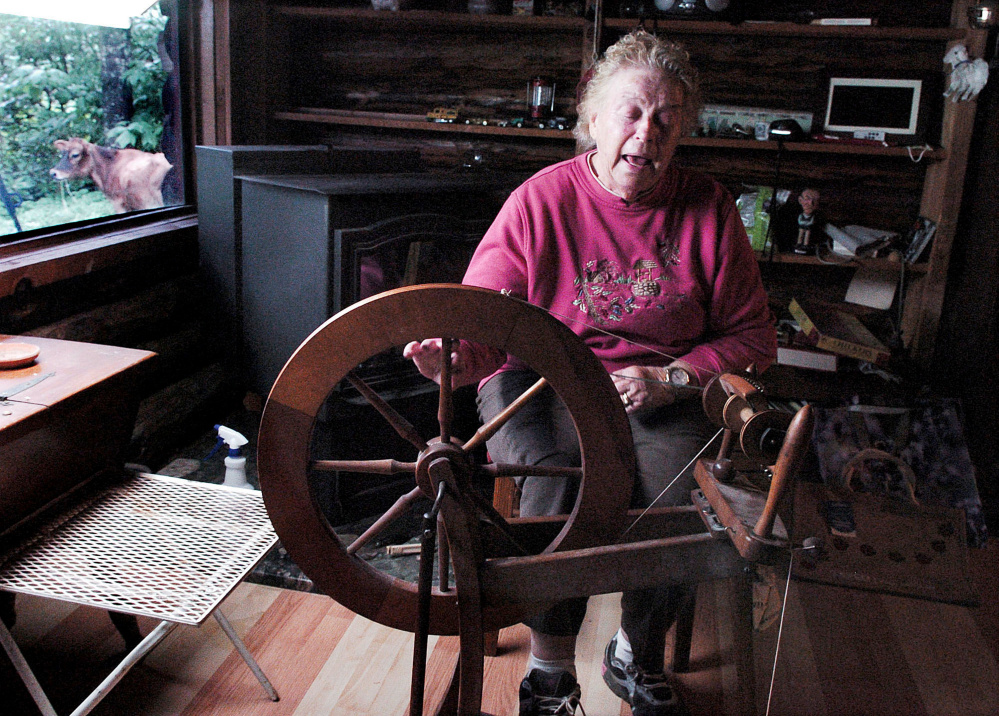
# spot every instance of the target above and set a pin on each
(650, 265)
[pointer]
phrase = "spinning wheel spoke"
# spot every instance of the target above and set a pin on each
(493, 426)
(497, 469)
(398, 423)
(445, 408)
(496, 519)
(393, 513)
(375, 467)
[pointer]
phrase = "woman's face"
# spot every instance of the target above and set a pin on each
(636, 129)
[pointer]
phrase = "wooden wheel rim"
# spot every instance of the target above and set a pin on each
(393, 319)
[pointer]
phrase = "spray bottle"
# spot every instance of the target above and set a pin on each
(235, 463)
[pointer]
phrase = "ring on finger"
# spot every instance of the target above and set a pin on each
(626, 399)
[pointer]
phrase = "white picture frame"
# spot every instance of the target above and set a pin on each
(873, 108)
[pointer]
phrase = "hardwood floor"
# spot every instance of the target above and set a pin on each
(843, 653)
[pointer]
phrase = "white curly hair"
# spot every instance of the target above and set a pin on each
(639, 50)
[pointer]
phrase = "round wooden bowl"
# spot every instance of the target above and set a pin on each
(16, 355)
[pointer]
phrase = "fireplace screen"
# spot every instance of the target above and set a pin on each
(403, 251)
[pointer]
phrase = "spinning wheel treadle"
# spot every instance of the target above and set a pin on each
(391, 320)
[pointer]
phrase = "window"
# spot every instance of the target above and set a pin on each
(85, 107)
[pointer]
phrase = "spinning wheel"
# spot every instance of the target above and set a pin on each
(393, 319)
(498, 579)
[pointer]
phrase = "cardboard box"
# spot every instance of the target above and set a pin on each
(827, 327)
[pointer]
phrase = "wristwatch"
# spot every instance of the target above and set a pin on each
(679, 377)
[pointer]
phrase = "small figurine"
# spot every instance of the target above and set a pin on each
(809, 200)
(967, 76)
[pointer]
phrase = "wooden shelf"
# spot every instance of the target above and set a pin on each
(791, 29)
(885, 265)
(429, 18)
(426, 18)
(415, 122)
(844, 147)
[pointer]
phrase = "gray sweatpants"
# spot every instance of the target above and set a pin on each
(542, 433)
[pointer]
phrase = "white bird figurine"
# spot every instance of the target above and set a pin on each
(967, 77)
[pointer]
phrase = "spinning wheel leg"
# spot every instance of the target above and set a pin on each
(490, 643)
(128, 626)
(684, 631)
(8, 613)
(427, 542)
(742, 620)
(459, 518)
(449, 704)
(505, 501)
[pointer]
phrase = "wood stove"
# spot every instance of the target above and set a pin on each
(312, 245)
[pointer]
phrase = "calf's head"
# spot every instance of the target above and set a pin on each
(74, 160)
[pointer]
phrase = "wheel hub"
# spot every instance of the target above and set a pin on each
(461, 467)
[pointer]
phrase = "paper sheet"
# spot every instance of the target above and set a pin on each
(872, 287)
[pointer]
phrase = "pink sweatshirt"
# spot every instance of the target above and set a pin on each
(673, 271)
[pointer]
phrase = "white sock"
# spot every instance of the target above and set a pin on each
(551, 666)
(623, 650)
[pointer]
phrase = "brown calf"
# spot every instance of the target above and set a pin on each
(130, 179)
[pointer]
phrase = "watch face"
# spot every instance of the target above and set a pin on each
(679, 377)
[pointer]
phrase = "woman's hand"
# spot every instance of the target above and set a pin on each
(644, 387)
(427, 357)
(469, 362)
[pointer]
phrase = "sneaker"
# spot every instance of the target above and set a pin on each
(648, 694)
(549, 694)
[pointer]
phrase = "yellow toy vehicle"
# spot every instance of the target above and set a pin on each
(442, 114)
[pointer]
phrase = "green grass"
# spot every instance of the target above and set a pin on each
(53, 210)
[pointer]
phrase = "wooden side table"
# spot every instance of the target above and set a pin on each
(64, 419)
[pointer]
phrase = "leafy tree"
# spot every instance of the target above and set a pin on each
(145, 76)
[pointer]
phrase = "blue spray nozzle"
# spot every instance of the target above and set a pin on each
(211, 453)
(230, 437)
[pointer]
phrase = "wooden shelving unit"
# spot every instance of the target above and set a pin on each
(367, 77)
(424, 18)
(791, 29)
